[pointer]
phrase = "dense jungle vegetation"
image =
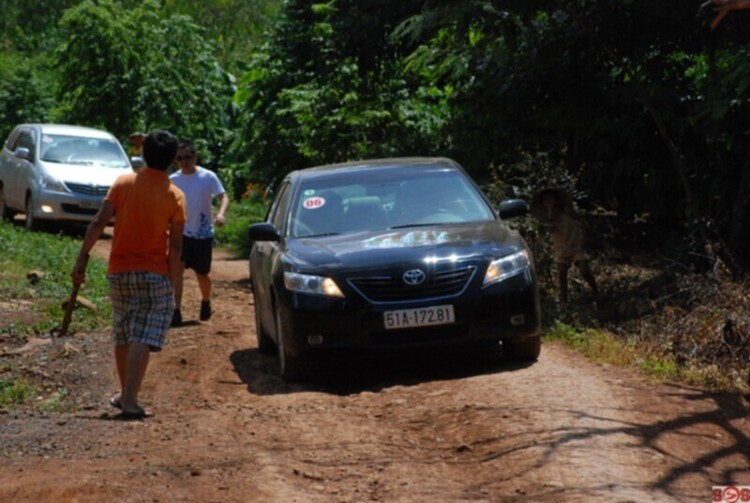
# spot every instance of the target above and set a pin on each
(638, 107)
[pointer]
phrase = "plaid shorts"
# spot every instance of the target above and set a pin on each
(142, 305)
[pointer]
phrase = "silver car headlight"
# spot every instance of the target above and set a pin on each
(307, 283)
(506, 267)
(51, 184)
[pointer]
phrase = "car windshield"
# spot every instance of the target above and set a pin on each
(378, 202)
(84, 151)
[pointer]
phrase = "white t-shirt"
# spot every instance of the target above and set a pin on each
(200, 188)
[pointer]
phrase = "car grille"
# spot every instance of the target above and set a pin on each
(89, 190)
(77, 210)
(447, 283)
(419, 336)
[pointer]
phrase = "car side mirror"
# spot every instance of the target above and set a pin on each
(511, 208)
(264, 231)
(137, 162)
(23, 153)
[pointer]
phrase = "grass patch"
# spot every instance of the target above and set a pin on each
(14, 392)
(604, 347)
(55, 403)
(35, 305)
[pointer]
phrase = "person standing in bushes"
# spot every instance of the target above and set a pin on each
(136, 148)
(143, 264)
(200, 186)
(554, 208)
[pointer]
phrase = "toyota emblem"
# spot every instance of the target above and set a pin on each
(414, 277)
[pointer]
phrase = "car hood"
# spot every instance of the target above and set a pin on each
(384, 248)
(85, 174)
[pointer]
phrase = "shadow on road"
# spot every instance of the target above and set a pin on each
(344, 372)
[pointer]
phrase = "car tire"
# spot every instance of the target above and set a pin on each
(31, 223)
(5, 213)
(290, 366)
(524, 350)
(265, 343)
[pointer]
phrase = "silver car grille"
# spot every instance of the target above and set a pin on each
(88, 190)
(440, 284)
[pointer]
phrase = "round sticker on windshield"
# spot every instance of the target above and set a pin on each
(313, 203)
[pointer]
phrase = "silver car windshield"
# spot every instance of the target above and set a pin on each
(83, 151)
(353, 206)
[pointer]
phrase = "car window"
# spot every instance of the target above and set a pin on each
(83, 151)
(380, 202)
(10, 144)
(280, 207)
(26, 140)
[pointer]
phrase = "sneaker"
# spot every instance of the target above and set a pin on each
(176, 318)
(205, 310)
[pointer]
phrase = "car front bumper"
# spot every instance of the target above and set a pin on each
(508, 310)
(63, 206)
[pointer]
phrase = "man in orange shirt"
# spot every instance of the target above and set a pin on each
(143, 264)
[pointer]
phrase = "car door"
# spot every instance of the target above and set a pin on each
(264, 255)
(9, 170)
(23, 175)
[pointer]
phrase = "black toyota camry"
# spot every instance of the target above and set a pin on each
(390, 253)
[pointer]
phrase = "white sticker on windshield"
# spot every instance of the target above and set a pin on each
(309, 192)
(313, 203)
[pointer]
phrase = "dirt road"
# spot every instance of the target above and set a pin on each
(444, 426)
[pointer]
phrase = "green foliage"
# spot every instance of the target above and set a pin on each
(27, 88)
(127, 69)
(317, 93)
(100, 63)
(14, 392)
(251, 208)
(236, 26)
(55, 403)
(184, 89)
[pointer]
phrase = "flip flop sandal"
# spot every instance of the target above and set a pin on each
(115, 402)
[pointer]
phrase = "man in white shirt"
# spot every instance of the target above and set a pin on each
(200, 186)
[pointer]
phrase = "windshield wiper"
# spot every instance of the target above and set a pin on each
(322, 234)
(404, 226)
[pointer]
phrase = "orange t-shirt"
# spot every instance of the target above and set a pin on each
(146, 205)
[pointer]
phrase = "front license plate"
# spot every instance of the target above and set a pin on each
(90, 205)
(420, 317)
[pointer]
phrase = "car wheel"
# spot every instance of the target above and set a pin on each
(265, 343)
(5, 212)
(525, 350)
(290, 366)
(32, 224)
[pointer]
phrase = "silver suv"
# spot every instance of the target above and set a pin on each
(54, 172)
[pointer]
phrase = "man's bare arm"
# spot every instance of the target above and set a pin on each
(93, 233)
(223, 205)
(175, 252)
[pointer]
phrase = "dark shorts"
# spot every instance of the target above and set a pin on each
(196, 253)
(142, 305)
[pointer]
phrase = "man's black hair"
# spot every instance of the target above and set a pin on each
(186, 143)
(160, 149)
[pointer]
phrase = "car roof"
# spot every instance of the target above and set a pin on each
(68, 130)
(386, 164)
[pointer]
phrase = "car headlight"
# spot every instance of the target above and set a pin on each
(506, 267)
(307, 283)
(52, 184)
